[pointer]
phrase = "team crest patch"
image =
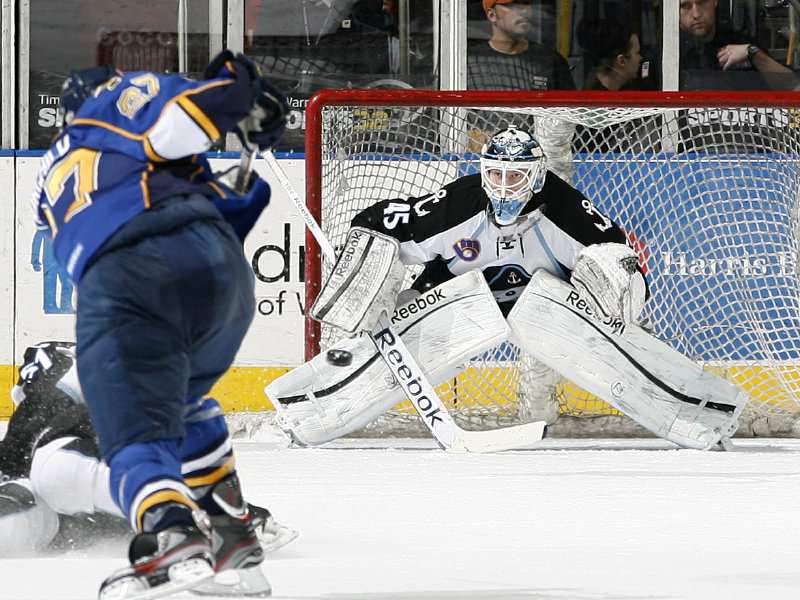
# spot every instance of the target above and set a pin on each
(467, 249)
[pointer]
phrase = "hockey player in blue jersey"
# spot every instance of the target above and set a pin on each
(153, 241)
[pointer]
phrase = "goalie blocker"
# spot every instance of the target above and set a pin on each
(625, 366)
(364, 282)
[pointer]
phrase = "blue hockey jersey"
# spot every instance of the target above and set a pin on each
(136, 140)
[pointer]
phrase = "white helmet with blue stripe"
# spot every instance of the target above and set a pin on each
(513, 168)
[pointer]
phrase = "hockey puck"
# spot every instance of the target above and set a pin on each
(339, 358)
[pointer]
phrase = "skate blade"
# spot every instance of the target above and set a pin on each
(247, 583)
(182, 576)
(275, 536)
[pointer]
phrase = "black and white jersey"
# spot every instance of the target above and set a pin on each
(49, 405)
(450, 232)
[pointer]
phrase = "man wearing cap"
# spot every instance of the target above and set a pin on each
(509, 60)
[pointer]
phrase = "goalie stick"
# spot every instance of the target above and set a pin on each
(409, 374)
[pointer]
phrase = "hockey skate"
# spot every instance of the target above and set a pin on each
(175, 559)
(271, 534)
(237, 549)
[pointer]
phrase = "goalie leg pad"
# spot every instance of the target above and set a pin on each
(633, 371)
(443, 328)
(318, 401)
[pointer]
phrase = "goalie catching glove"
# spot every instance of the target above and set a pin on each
(607, 277)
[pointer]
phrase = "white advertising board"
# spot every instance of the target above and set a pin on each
(45, 301)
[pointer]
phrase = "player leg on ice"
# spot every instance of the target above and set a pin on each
(66, 504)
(209, 471)
(55, 490)
(170, 553)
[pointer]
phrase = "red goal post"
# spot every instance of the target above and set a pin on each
(705, 184)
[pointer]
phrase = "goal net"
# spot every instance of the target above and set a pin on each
(705, 185)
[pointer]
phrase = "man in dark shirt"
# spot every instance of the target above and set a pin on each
(508, 60)
(705, 47)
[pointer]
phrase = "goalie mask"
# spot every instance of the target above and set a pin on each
(513, 168)
(77, 88)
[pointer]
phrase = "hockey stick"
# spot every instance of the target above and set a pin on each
(308, 218)
(238, 178)
(244, 170)
(409, 374)
(432, 410)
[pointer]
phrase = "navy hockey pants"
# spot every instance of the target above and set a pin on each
(159, 321)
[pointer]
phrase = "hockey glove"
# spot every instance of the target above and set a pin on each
(607, 277)
(215, 66)
(242, 212)
(264, 126)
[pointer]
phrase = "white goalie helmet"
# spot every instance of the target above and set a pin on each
(513, 168)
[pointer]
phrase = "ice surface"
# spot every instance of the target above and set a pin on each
(570, 519)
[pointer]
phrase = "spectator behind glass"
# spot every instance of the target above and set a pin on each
(613, 58)
(509, 60)
(612, 53)
(716, 58)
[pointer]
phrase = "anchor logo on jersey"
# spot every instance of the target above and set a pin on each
(506, 282)
(419, 207)
(467, 249)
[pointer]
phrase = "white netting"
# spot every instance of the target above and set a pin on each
(708, 196)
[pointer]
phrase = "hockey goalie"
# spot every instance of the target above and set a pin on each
(509, 253)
